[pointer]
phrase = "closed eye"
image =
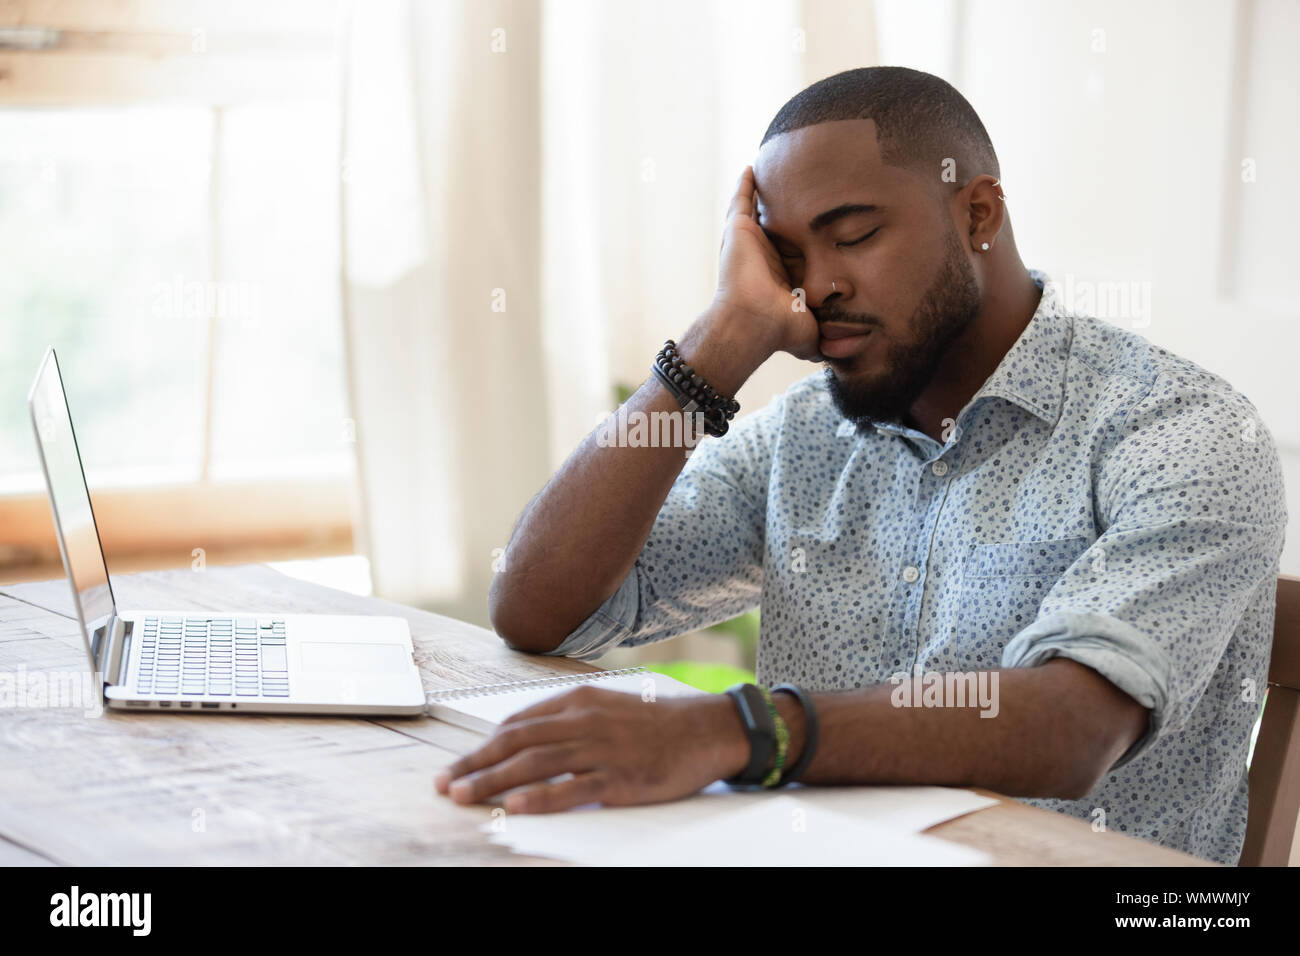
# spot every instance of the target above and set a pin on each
(856, 241)
(790, 256)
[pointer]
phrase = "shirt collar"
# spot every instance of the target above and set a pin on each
(1032, 373)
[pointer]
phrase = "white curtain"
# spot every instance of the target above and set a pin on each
(533, 201)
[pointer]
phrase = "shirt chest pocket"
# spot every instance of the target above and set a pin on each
(1007, 559)
(1003, 584)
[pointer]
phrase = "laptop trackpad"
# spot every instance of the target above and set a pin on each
(342, 658)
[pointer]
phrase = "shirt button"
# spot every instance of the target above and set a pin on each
(910, 573)
(940, 468)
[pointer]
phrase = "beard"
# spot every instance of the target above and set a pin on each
(947, 309)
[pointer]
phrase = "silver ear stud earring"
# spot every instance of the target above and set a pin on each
(832, 285)
(985, 247)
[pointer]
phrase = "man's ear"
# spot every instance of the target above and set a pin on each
(984, 205)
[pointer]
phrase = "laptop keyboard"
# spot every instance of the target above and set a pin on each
(213, 657)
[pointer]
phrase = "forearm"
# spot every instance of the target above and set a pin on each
(1057, 729)
(577, 540)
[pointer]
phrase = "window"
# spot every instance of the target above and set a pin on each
(183, 257)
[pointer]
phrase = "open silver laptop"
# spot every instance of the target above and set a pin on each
(243, 660)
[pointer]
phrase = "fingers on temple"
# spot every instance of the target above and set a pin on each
(742, 203)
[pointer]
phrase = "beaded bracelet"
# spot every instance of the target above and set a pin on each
(782, 740)
(811, 730)
(692, 392)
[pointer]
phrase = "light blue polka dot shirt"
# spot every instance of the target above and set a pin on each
(1099, 498)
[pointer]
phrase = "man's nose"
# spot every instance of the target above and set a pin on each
(824, 287)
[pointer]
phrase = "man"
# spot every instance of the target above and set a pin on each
(978, 483)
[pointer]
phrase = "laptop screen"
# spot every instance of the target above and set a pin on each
(74, 521)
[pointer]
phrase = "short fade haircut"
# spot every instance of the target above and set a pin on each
(921, 120)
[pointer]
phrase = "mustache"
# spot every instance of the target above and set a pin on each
(824, 316)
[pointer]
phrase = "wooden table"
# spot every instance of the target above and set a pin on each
(138, 789)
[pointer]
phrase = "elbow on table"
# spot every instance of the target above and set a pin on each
(1076, 782)
(1104, 723)
(1098, 754)
(520, 629)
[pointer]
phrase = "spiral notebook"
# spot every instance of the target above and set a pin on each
(485, 707)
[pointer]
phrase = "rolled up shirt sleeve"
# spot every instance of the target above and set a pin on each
(703, 560)
(1193, 508)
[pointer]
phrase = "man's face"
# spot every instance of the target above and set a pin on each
(836, 212)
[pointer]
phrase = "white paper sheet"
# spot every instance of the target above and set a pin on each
(797, 826)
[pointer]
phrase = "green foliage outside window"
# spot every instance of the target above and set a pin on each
(715, 677)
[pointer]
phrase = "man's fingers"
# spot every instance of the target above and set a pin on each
(742, 203)
(528, 766)
(509, 740)
(552, 797)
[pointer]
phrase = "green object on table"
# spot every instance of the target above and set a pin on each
(714, 678)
